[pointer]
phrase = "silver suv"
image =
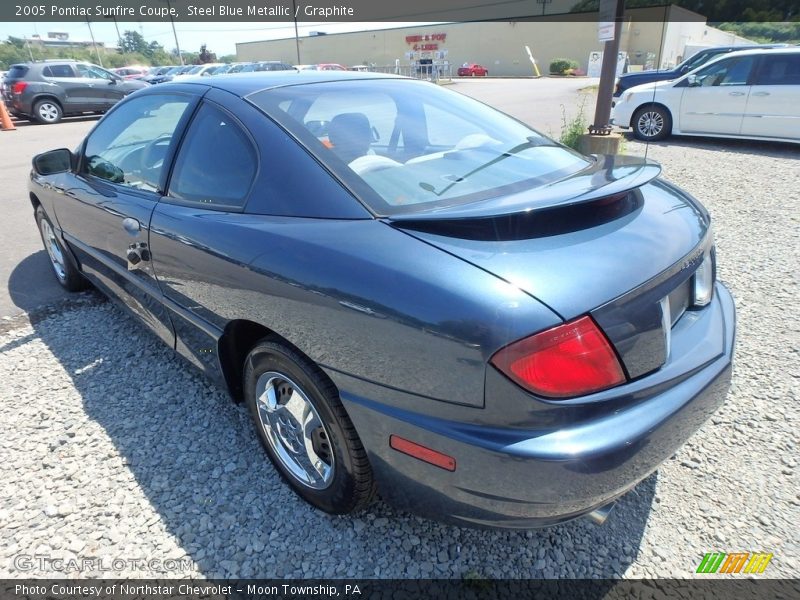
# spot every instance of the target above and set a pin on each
(47, 91)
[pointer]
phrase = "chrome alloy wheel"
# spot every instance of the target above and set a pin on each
(650, 123)
(53, 250)
(294, 430)
(48, 111)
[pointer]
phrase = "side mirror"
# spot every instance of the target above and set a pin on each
(54, 161)
(114, 81)
(692, 80)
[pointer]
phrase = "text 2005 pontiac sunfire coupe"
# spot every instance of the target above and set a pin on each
(413, 293)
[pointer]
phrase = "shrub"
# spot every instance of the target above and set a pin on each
(560, 66)
(571, 131)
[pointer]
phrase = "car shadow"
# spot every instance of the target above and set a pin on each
(738, 146)
(195, 456)
(32, 285)
(79, 119)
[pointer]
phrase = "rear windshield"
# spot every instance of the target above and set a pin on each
(16, 72)
(407, 146)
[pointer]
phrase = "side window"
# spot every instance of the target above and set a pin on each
(58, 71)
(130, 145)
(216, 162)
(779, 69)
(734, 71)
(93, 72)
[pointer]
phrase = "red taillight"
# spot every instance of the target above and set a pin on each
(569, 360)
(19, 87)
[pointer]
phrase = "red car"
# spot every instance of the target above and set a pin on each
(472, 70)
(330, 67)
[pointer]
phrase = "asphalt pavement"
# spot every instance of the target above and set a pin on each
(26, 283)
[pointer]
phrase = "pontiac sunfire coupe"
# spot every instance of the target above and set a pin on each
(413, 293)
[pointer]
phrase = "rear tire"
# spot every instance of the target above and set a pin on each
(651, 123)
(305, 430)
(65, 270)
(47, 111)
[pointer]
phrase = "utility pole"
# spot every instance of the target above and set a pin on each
(608, 71)
(296, 37)
(94, 44)
(174, 33)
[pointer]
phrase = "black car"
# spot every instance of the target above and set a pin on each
(630, 80)
(47, 91)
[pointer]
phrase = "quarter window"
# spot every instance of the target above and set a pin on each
(216, 163)
(779, 69)
(130, 145)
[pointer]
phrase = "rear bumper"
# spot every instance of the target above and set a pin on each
(550, 468)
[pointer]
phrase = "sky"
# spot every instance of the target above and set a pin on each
(221, 38)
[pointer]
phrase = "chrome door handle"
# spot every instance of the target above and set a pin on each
(736, 94)
(760, 93)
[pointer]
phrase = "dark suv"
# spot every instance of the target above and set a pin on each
(630, 80)
(46, 91)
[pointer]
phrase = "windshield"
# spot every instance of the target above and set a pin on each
(407, 146)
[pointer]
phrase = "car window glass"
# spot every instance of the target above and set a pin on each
(734, 71)
(377, 112)
(130, 144)
(444, 128)
(58, 71)
(779, 69)
(216, 163)
(482, 154)
(93, 72)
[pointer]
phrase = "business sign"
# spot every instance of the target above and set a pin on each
(427, 42)
(605, 20)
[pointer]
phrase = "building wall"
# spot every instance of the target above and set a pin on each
(499, 46)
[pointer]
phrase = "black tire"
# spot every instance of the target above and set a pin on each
(651, 123)
(47, 111)
(64, 268)
(351, 485)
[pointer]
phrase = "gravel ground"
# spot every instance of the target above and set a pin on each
(114, 449)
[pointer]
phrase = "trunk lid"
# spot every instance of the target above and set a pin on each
(611, 240)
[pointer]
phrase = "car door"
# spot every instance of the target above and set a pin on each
(773, 107)
(715, 98)
(106, 206)
(196, 236)
(105, 86)
(80, 93)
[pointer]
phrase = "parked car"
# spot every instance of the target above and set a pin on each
(267, 65)
(197, 71)
(472, 70)
(48, 91)
(306, 67)
(168, 74)
(159, 74)
(749, 94)
(409, 290)
(331, 67)
(630, 80)
(132, 72)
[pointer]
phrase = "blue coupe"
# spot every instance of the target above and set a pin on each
(414, 294)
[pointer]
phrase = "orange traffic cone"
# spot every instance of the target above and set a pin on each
(5, 120)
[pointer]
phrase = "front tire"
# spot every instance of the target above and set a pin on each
(651, 123)
(305, 430)
(67, 274)
(47, 111)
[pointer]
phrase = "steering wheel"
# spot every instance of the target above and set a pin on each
(153, 154)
